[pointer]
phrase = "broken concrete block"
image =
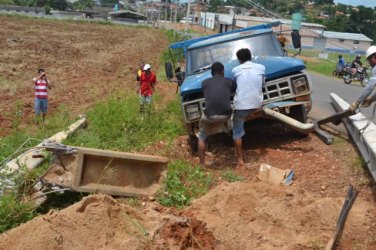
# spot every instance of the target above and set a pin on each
(118, 173)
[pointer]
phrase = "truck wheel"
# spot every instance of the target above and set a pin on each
(192, 142)
(299, 113)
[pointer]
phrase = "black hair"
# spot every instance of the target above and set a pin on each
(340, 56)
(40, 70)
(244, 55)
(217, 68)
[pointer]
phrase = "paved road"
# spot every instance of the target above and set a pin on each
(323, 86)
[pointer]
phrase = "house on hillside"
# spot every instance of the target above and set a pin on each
(309, 38)
(127, 16)
(343, 42)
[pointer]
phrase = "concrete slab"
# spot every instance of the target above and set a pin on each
(118, 173)
(362, 131)
(26, 159)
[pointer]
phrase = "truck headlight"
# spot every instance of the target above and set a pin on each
(300, 85)
(192, 111)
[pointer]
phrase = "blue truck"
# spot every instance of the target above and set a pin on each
(287, 89)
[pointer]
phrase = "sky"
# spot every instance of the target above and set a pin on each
(366, 3)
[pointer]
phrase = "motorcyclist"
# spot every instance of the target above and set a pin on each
(341, 62)
(356, 64)
(365, 99)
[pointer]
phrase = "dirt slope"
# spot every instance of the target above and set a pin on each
(85, 62)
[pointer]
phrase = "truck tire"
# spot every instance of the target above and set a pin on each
(192, 142)
(299, 113)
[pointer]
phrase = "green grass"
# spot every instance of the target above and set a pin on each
(324, 67)
(183, 184)
(116, 124)
(13, 212)
(230, 176)
(19, 134)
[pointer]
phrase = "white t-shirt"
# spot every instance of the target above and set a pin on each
(249, 78)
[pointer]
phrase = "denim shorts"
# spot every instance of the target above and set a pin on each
(41, 105)
(207, 122)
(145, 99)
(238, 122)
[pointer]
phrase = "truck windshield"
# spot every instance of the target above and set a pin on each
(262, 45)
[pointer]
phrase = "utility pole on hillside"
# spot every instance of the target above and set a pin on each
(176, 14)
(187, 18)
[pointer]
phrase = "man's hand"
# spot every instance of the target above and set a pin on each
(354, 106)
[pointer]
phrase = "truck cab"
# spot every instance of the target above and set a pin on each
(287, 87)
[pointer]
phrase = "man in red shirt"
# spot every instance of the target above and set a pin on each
(148, 81)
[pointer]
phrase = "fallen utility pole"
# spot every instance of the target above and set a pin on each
(350, 199)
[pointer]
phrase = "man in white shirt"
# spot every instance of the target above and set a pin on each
(248, 98)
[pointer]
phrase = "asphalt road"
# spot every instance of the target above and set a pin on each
(323, 86)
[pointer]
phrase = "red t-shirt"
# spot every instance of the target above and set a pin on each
(147, 82)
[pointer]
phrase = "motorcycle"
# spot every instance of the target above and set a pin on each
(338, 71)
(360, 75)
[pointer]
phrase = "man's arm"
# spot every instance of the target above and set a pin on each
(368, 89)
(48, 84)
(365, 95)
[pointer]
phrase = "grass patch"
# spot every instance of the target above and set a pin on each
(15, 204)
(32, 133)
(13, 212)
(230, 176)
(116, 124)
(183, 183)
(323, 67)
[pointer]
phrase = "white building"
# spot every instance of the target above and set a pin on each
(207, 19)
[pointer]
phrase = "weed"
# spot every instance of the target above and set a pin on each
(15, 188)
(116, 124)
(183, 183)
(134, 202)
(315, 244)
(7, 86)
(230, 176)
(13, 212)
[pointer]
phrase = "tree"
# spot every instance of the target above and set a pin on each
(214, 4)
(58, 4)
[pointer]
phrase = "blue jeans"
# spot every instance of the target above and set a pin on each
(238, 122)
(41, 105)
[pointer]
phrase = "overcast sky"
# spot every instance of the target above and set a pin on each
(367, 3)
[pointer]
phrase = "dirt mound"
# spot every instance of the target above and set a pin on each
(242, 215)
(101, 222)
(260, 216)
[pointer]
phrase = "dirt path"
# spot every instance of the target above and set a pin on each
(86, 63)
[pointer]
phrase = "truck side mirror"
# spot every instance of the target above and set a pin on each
(180, 75)
(169, 71)
(296, 39)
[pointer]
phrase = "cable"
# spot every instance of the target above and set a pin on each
(19, 150)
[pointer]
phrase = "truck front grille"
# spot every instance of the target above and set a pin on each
(276, 90)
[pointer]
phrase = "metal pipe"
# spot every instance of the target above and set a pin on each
(304, 128)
